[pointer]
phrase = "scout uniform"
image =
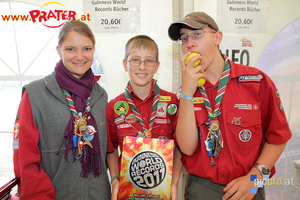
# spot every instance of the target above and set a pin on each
(122, 118)
(250, 114)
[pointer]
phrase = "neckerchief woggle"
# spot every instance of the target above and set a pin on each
(83, 133)
(146, 132)
(214, 140)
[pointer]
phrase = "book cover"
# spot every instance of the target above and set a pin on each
(146, 169)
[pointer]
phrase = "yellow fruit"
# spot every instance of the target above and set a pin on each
(197, 62)
(201, 81)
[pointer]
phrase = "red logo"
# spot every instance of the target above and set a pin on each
(55, 18)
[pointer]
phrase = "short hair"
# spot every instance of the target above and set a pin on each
(77, 26)
(141, 41)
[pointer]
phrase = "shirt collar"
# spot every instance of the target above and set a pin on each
(235, 71)
(134, 96)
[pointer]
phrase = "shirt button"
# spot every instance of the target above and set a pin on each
(222, 176)
(144, 118)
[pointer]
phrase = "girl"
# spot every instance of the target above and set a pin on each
(61, 142)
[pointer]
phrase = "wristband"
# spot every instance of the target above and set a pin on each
(113, 178)
(186, 97)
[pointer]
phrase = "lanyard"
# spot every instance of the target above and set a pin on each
(214, 140)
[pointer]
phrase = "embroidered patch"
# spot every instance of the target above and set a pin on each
(16, 136)
(177, 93)
(243, 106)
(277, 93)
(123, 126)
(120, 119)
(160, 121)
(165, 98)
(236, 121)
(16, 144)
(255, 107)
(172, 109)
(161, 109)
(198, 100)
(131, 118)
(245, 135)
(251, 78)
(197, 108)
(121, 107)
(281, 106)
(16, 130)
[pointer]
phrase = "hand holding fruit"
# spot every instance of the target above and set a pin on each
(201, 81)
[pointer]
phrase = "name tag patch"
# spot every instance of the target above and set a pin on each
(246, 106)
(251, 78)
(123, 126)
(161, 121)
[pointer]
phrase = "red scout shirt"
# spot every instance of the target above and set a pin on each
(122, 122)
(251, 114)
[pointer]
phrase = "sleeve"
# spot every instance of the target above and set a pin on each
(110, 147)
(275, 126)
(111, 126)
(175, 117)
(34, 182)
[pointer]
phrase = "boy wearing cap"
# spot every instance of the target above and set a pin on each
(232, 129)
(143, 110)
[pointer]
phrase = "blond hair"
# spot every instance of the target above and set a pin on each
(139, 42)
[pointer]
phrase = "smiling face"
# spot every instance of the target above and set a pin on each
(142, 75)
(77, 53)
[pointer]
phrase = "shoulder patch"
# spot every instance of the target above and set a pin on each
(16, 137)
(277, 93)
(281, 106)
(251, 78)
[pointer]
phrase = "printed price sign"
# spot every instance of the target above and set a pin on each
(246, 16)
(113, 16)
